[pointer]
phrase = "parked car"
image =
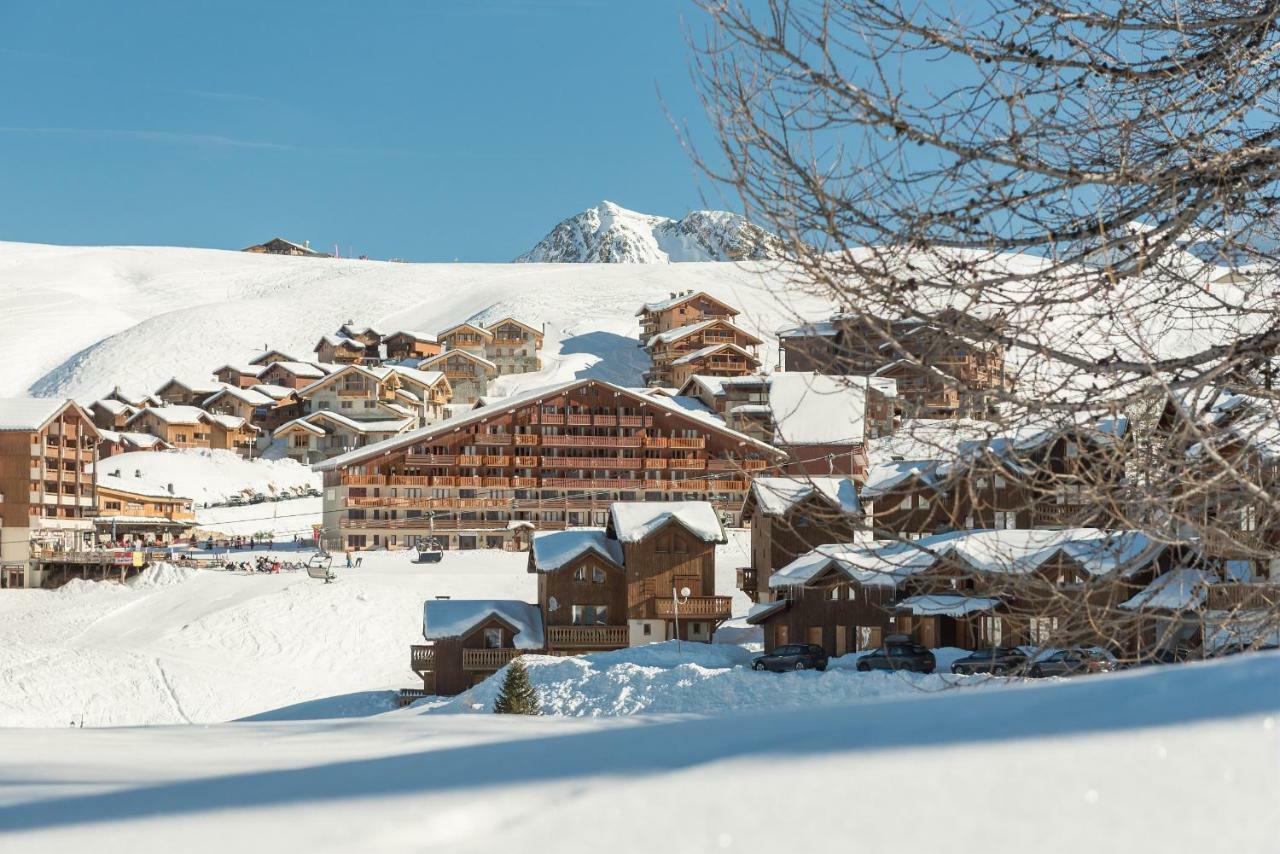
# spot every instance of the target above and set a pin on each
(997, 660)
(792, 656)
(235, 501)
(1071, 662)
(257, 498)
(899, 652)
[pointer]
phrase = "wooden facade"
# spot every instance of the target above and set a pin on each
(468, 374)
(713, 347)
(48, 451)
(681, 309)
(411, 345)
(553, 458)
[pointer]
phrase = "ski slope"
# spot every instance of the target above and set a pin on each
(1169, 759)
(80, 320)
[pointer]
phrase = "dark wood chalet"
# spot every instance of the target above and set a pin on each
(411, 345)
(469, 639)
(550, 458)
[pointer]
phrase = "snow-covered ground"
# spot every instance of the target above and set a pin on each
(211, 645)
(83, 319)
(1172, 759)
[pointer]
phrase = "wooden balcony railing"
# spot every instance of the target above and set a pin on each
(604, 420)
(470, 482)
(409, 480)
(422, 657)
(488, 659)
(496, 460)
(687, 464)
(526, 439)
(694, 443)
(444, 480)
(589, 483)
(655, 463)
(470, 459)
(493, 438)
(547, 418)
(524, 482)
(578, 419)
(705, 607)
(592, 441)
(1243, 597)
(586, 637)
(524, 462)
(635, 420)
(496, 482)
(430, 459)
(656, 441)
(588, 463)
(747, 580)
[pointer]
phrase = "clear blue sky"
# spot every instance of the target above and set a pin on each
(424, 129)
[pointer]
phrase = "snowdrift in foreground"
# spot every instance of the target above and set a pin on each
(693, 679)
(162, 575)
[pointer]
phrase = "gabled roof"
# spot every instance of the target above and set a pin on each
(553, 550)
(461, 354)
(265, 357)
(135, 485)
(298, 424)
(249, 369)
(680, 332)
(305, 250)
(492, 326)
(115, 407)
(532, 397)
(711, 350)
(700, 384)
(275, 392)
(777, 496)
(426, 337)
(453, 618)
(1178, 590)
(339, 341)
(350, 330)
(32, 413)
(173, 415)
(632, 521)
(947, 605)
(459, 326)
(132, 398)
(393, 425)
(231, 422)
(816, 409)
(676, 300)
(142, 440)
(428, 379)
(205, 387)
(306, 370)
(247, 395)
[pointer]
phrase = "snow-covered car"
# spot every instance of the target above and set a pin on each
(236, 501)
(792, 656)
(899, 652)
(997, 660)
(1074, 661)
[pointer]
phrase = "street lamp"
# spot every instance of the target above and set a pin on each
(676, 601)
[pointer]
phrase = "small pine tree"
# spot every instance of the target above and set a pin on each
(517, 696)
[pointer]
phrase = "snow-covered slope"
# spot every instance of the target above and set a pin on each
(1170, 759)
(78, 320)
(611, 234)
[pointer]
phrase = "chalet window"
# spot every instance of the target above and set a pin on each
(924, 501)
(999, 482)
(590, 615)
(597, 575)
(906, 503)
(834, 593)
(867, 637)
(779, 635)
(1042, 629)
(992, 630)
(648, 629)
(492, 638)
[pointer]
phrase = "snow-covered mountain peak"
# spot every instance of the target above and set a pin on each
(610, 233)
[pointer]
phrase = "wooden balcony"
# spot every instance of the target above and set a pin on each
(687, 464)
(493, 439)
(409, 480)
(488, 659)
(509, 342)
(524, 482)
(591, 441)
(1231, 596)
(695, 607)
(470, 482)
(549, 418)
(694, 443)
(635, 420)
(578, 420)
(656, 441)
(589, 483)
(526, 439)
(1069, 512)
(587, 637)
(356, 392)
(587, 463)
(470, 460)
(496, 482)
(430, 459)
(604, 420)
(363, 480)
(524, 462)
(422, 657)
(747, 581)
(498, 461)
(655, 463)
(444, 480)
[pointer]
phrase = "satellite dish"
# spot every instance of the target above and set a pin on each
(553, 604)
(684, 592)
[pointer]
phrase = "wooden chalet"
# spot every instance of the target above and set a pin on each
(467, 337)
(380, 393)
(468, 374)
(137, 401)
(232, 433)
(111, 414)
(469, 639)
(404, 345)
(703, 342)
(270, 355)
(552, 458)
(240, 375)
(280, 246)
(48, 451)
(178, 426)
(134, 510)
(112, 442)
(514, 347)
(790, 516)
(681, 309)
(177, 392)
(292, 374)
(326, 434)
(941, 372)
(339, 350)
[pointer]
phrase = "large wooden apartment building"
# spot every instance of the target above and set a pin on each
(692, 333)
(681, 309)
(648, 576)
(549, 458)
(48, 449)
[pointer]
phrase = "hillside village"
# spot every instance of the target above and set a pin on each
(860, 532)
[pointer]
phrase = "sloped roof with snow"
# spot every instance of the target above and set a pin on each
(452, 618)
(425, 337)
(1181, 589)
(711, 351)
(230, 422)
(301, 369)
(776, 496)
(554, 549)
(249, 369)
(816, 409)
(115, 407)
(275, 392)
(887, 476)
(946, 605)
(135, 485)
(380, 426)
(172, 414)
(28, 413)
(632, 521)
(524, 398)
(247, 395)
(682, 298)
(684, 331)
(471, 326)
(461, 354)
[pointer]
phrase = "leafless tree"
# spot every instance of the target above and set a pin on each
(1075, 202)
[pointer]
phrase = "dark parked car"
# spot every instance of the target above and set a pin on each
(997, 660)
(1070, 662)
(899, 652)
(793, 656)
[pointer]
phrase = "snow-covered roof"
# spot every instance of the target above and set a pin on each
(816, 409)
(448, 354)
(172, 414)
(531, 396)
(509, 319)
(264, 358)
(451, 618)
(229, 422)
(884, 477)
(381, 426)
(298, 424)
(350, 330)
(275, 392)
(1182, 589)
(684, 331)
(249, 369)
(473, 327)
(632, 521)
(247, 395)
(681, 298)
(710, 386)
(300, 369)
(115, 407)
(554, 549)
(141, 440)
(132, 398)
(29, 413)
(776, 496)
(946, 605)
(816, 328)
(339, 341)
(1097, 552)
(763, 610)
(426, 337)
(711, 350)
(135, 485)
(205, 387)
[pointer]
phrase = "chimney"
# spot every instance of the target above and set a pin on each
(307, 244)
(137, 472)
(170, 487)
(671, 295)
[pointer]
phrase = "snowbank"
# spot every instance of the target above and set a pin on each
(162, 575)
(209, 476)
(694, 678)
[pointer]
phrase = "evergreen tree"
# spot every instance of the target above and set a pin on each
(517, 696)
